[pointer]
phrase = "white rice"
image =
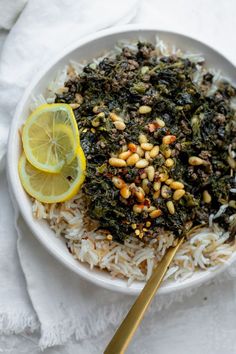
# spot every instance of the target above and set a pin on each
(134, 260)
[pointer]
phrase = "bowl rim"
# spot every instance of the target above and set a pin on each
(94, 278)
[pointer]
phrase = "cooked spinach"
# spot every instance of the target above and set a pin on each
(203, 125)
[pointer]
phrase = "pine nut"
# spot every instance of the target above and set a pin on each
(151, 208)
(109, 237)
(137, 232)
(148, 223)
(145, 183)
(176, 185)
(163, 177)
(155, 213)
(160, 122)
(78, 98)
(142, 163)
(232, 204)
(124, 155)
(150, 172)
(206, 197)
(156, 195)
(101, 115)
(147, 156)
(169, 162)
(140, 151)
(156, 186)
(196, 161)
(95, 122)
(95, 109)
(139, 194)
(115, 118)
(132, 147)
(167, 153)
(154, 152)
(74, 105)
(170, 207)
(142, 139)
(115, 162)
(231, 162)
(169, 181)
(134, 226)
(125, 192)
(165, 192)
(119, 125)
(132, 187)
(141, 190)
(137, 208)
(118, 182)
(143, 175)
(144, 109)
(178, 194)
(146, 146)
(168, 139)
(131, 161)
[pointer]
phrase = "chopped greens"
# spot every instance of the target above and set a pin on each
(140, 93)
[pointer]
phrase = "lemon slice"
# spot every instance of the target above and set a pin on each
(53, 187)
(51, 137)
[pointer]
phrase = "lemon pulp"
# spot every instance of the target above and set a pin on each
(53, 187)
(50, 137)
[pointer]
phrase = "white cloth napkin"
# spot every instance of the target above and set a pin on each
(53, 299)
(9, 12)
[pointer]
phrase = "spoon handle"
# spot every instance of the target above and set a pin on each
(125, 332)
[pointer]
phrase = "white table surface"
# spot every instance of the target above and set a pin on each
(206, 322)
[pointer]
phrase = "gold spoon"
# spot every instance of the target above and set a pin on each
(125, 332)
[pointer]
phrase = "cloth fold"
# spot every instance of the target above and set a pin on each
(12, 9)
(66, 304)
(16, 312)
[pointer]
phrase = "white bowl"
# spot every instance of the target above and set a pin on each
(88, 48)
